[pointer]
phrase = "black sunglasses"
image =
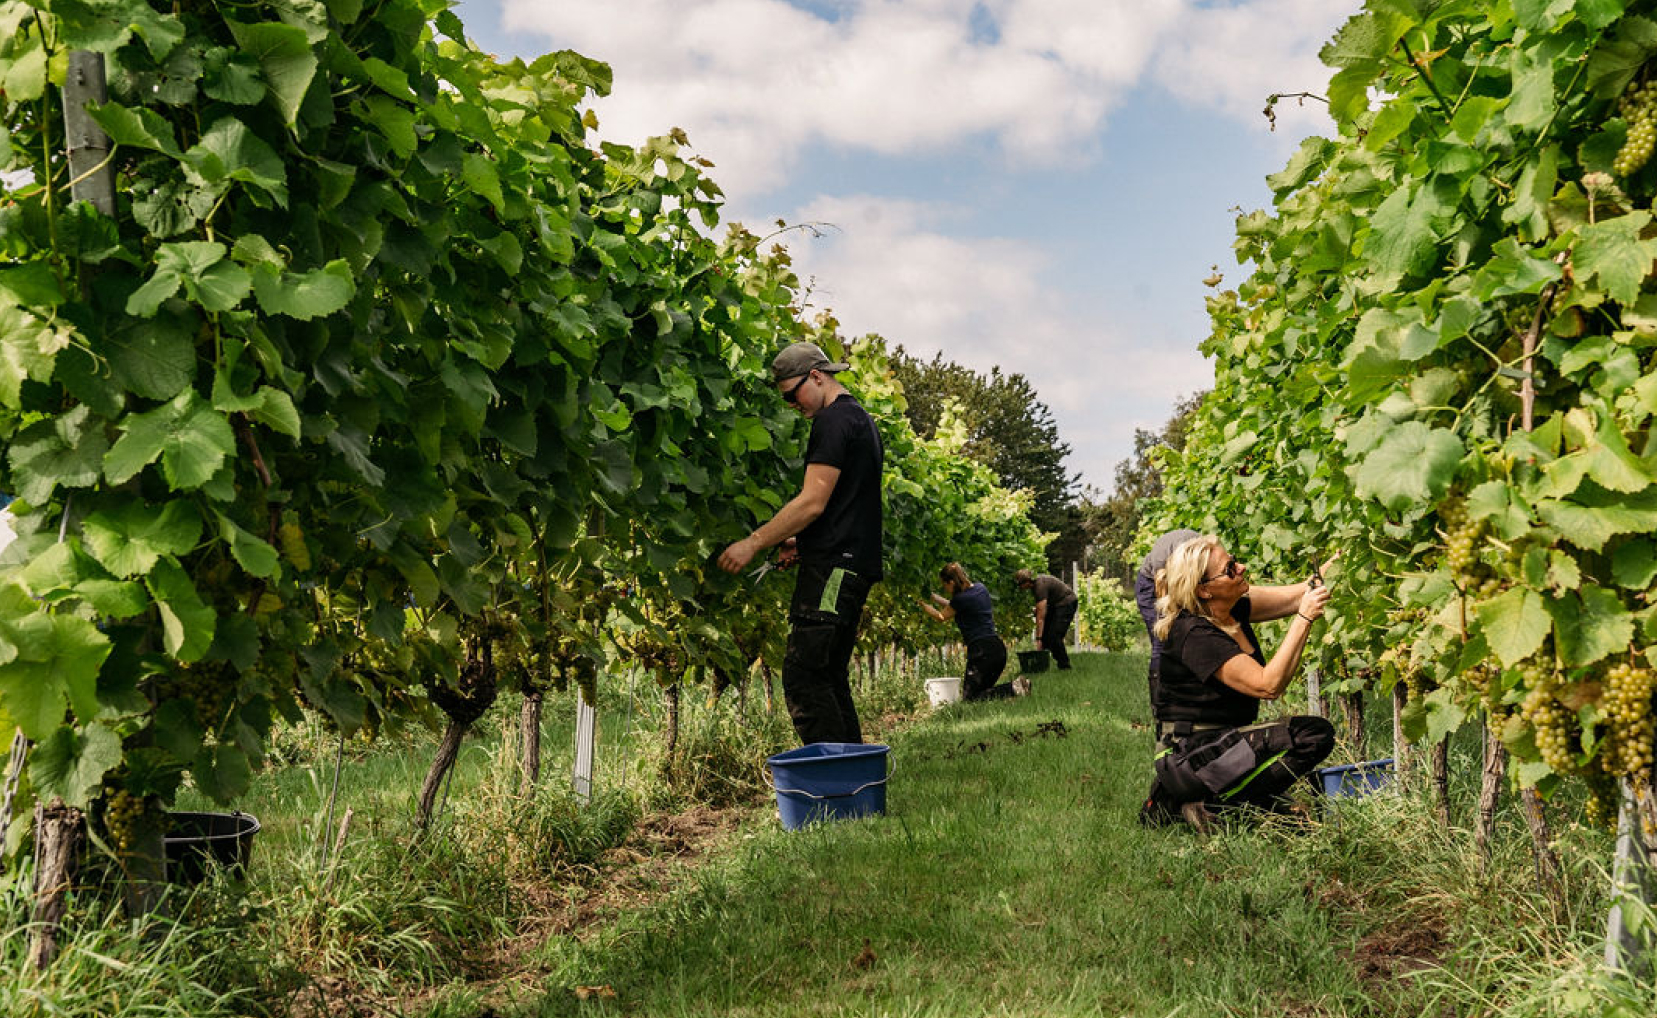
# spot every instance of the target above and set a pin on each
(792, 395)
(1231, 569)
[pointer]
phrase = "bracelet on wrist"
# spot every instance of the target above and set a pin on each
(1308, 618)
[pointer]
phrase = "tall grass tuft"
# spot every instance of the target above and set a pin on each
(113, 968)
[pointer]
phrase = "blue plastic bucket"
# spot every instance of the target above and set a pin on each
(829, 781)
(1350, 780)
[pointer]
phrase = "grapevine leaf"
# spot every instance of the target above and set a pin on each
(68, 452)
(118, 599)
(252, 554)
(478, 171)
(305, 295)
(1514, 623)
(284, 55)
(1413, 464)
(222, 772)
(1589, 625)
(57, 660)
(229, 151)
(1444, 715)
(23, 73)
(28, 350)
(221, 287)
(1497, 502)
(130, 539)
(1613, 253)
(187, 622)
(1614, 64)
(176, 729)
(1532, 103)
(1634, 564)
(396, 121)
(1612, 464)
(32, 284)
(1592, 519)
(388, 78)
(190, 438)
(143, 128)
(1514, 268)
(1402, 239)
(155, 359)
(275, 410)
(72, 762)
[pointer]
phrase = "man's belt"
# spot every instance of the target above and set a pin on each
(1181, 729)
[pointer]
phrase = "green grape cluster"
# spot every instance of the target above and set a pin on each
(1626, 704)
(1461, 540)
(121, 812)
(209, 688)
(1484, 679)
(1638, 107)
(1551, 722)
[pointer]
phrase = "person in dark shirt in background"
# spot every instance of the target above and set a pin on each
(1055, 610)
(969, 605)
(832, 528)
(1145, 592)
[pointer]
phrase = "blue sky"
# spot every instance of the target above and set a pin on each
(1036, 184)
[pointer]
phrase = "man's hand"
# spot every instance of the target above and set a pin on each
(788, 553)
(738, 555)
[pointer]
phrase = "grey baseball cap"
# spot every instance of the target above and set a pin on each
(799, 358)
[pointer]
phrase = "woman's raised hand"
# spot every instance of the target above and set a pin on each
(1313, 601)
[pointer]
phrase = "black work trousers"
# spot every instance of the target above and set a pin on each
(1053, 630)
(1250, 766)
(986, 659)
(816, 684)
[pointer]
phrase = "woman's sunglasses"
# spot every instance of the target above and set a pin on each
(1229, 572)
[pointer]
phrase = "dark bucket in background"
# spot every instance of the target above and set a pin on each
(829, 781)
(1352, 780)
(197, 841)
(1033, 660)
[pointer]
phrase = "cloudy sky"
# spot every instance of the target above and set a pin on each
(1036, 184)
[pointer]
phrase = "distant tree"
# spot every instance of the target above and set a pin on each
(1010, 430)
(1111, 522)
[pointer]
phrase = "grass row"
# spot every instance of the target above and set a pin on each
(1008, 877)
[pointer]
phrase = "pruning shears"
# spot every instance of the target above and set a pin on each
(764, 567)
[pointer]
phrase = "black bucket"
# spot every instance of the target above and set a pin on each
(1033, 660)
(197, 841)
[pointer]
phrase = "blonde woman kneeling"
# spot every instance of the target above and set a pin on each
(1213, 675)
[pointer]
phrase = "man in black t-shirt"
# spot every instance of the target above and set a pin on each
(832, 528)
(1055, 610)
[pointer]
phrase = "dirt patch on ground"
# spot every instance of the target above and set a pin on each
(1394, 950)
(655, 860)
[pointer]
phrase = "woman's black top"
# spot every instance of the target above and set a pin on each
(1192, 654)
(974, 614)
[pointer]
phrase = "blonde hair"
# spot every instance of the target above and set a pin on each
(1178, 582)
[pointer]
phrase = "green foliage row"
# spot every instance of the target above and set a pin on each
(1441, 363)
(382, 385)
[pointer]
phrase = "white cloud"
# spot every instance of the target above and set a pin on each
(755, 82)
(889, 266)
(1232, 55)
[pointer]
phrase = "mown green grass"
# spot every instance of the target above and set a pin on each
(1010, 877)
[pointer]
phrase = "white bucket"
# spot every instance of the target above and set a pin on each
(942, 691)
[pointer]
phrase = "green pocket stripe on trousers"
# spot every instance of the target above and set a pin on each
(1228, 793)
(830, 601)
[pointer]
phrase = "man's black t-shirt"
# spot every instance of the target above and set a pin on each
(848, 534)
(1191, 656)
